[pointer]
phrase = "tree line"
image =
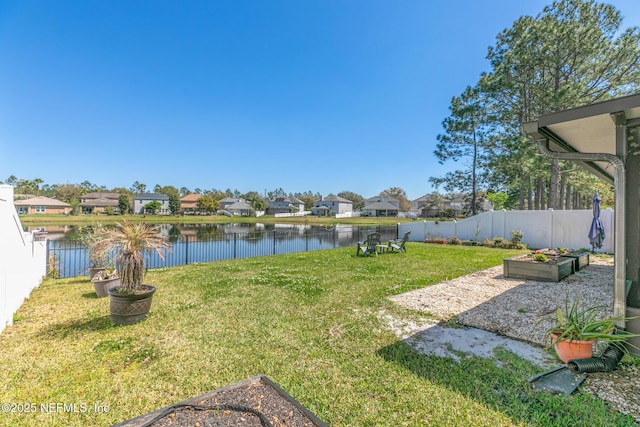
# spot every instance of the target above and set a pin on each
(209, 202)
(573, 53)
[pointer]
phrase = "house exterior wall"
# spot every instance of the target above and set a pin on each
(342, 207)
(284, 206)
(329, 205)
(189, 204)
(278, 207)
(141, 201)
(43, 209)
(381, 207)
(41, 205)
(188, 207)
(428, 207)
(320, 210)
(100, 202)
(241, 209)
(380, 212)
(22, 259)
(336, 206)
(228, 201)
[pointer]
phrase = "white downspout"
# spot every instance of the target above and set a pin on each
(619, 183)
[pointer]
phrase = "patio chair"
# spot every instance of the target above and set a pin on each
(369, 246)
(398, 244)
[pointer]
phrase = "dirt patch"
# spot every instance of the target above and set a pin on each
(254, 402)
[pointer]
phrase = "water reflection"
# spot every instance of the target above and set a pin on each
(203, 232)
(195, 243)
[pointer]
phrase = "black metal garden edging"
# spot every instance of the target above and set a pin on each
(250, 390)
(69, 257)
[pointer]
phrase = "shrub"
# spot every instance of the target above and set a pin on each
(439, 240)
(486, 242)
(516, 236)
(538, 257)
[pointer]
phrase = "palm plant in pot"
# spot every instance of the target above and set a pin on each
(128, 244)
(575, 330)
(88, 235)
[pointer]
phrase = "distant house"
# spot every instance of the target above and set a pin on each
(434, 205)
(285, 205)
(189, 204)
(99, 202)
(42, 205)
(241, 207)
(331, 205)
(381, 206)
(141, 200)
(420, 202)
(236, 206)
(430, 205)
(228, 201)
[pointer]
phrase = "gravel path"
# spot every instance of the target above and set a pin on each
(514, 308)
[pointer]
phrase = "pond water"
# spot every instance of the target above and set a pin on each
(196, 243)
(70, 232)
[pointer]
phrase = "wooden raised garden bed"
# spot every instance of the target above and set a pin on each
(522, 267)
(580, 259)
(224, 407)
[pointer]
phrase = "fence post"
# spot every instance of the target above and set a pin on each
(186, 249)
(274, 242)
(46, 270)
(235, 244)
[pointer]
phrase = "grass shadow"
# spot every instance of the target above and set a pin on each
(78, 280)
(503, 387)
(90, 295)
(74, 327)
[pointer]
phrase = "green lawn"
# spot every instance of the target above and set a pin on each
(309, 321)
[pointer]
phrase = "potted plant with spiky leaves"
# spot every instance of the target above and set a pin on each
(88, 235)
(576, 328)
(127, 244)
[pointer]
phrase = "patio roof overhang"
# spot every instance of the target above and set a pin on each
(602, 139)
(589, 129)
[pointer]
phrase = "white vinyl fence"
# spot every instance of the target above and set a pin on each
(286, 215)
(542, 229)
(22, 259)
(348, 215)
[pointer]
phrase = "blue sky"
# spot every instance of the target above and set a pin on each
(255, 95)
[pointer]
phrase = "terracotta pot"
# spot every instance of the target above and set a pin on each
(573, 349)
